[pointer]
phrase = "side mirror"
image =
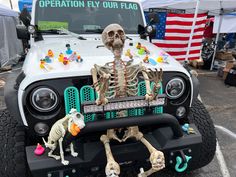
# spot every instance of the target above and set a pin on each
(149, 30)
(25, 17)
(22, 32)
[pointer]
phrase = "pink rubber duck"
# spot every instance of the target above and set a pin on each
(39, 150)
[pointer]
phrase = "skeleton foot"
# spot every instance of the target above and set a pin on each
(72, 151)
(112, 169)
(53, 156)
(65, 162)
(149, 97)
(157, 162)
(101, 101)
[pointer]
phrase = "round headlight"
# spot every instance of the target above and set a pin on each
(175, 88)
(44, 99)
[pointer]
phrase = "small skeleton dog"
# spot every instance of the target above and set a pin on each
(73, 122)
(118, 79)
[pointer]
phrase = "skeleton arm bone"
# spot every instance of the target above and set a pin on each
(147, 84)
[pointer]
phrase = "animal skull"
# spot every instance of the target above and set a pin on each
(113, 37)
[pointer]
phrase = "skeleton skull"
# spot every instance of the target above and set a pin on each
(113, 37)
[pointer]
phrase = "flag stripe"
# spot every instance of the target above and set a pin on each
(183, 30)
(183, 27)
(184, 23)
(182, 38)
(178, 45)
(181, 19)
(183, 35)
(181, 49)
(186, 15)
(191, 55)
(175, 41)
(190, 58)
(183, 52)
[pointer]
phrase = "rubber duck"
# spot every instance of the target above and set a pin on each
(48, 60)
(146, 59)
(128, 54)
(65, 61)
(185, 127)
(73, 56)
(39, 150)
(61, 57)
(68, 51)
(42, 63)
(79, 59)
(50, 53)
(160, 59)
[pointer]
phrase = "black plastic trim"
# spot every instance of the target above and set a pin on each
(166, 119)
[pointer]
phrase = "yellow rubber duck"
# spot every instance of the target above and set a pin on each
(160, 59)
(50, 53)
(61, 57)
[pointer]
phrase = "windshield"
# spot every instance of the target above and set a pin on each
(87, 16)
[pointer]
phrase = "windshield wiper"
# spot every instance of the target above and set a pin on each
(62, 31)
(98, 30)
(52, 31)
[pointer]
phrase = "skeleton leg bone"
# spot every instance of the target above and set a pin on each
(63, 161)
(112, 167)
(51, 151)
(157, 159)
(72, 150)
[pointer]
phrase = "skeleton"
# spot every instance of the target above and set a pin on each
(58, 132)
(118, 79)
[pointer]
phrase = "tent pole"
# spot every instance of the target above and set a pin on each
(192, 30)
(217, 38)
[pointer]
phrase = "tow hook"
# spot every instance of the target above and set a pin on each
(182, 162)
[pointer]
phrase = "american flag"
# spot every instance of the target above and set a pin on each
(173, 32)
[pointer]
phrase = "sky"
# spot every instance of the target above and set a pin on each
(7, 3)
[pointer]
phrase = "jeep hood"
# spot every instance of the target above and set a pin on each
(91, 51)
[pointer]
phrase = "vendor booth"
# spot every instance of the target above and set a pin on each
(218, 8)
(10, 46)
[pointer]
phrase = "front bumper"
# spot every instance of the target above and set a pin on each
(92, 159)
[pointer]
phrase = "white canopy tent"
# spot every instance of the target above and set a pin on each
(213, 7)
(10, 46)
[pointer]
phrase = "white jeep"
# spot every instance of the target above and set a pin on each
(52, 82)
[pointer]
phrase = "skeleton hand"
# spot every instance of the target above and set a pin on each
(112, 169)
(100, 101)
(157, 160)
(149, 97)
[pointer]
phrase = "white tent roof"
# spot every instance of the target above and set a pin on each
(213, 6)
(5, 11)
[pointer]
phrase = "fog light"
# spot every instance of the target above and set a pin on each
(41, 128)
(180, 112)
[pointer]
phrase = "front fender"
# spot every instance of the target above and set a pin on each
(10, 95)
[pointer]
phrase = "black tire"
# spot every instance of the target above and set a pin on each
(201, 118)
(12, 147)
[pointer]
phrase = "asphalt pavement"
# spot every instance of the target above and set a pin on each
(220, 101)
